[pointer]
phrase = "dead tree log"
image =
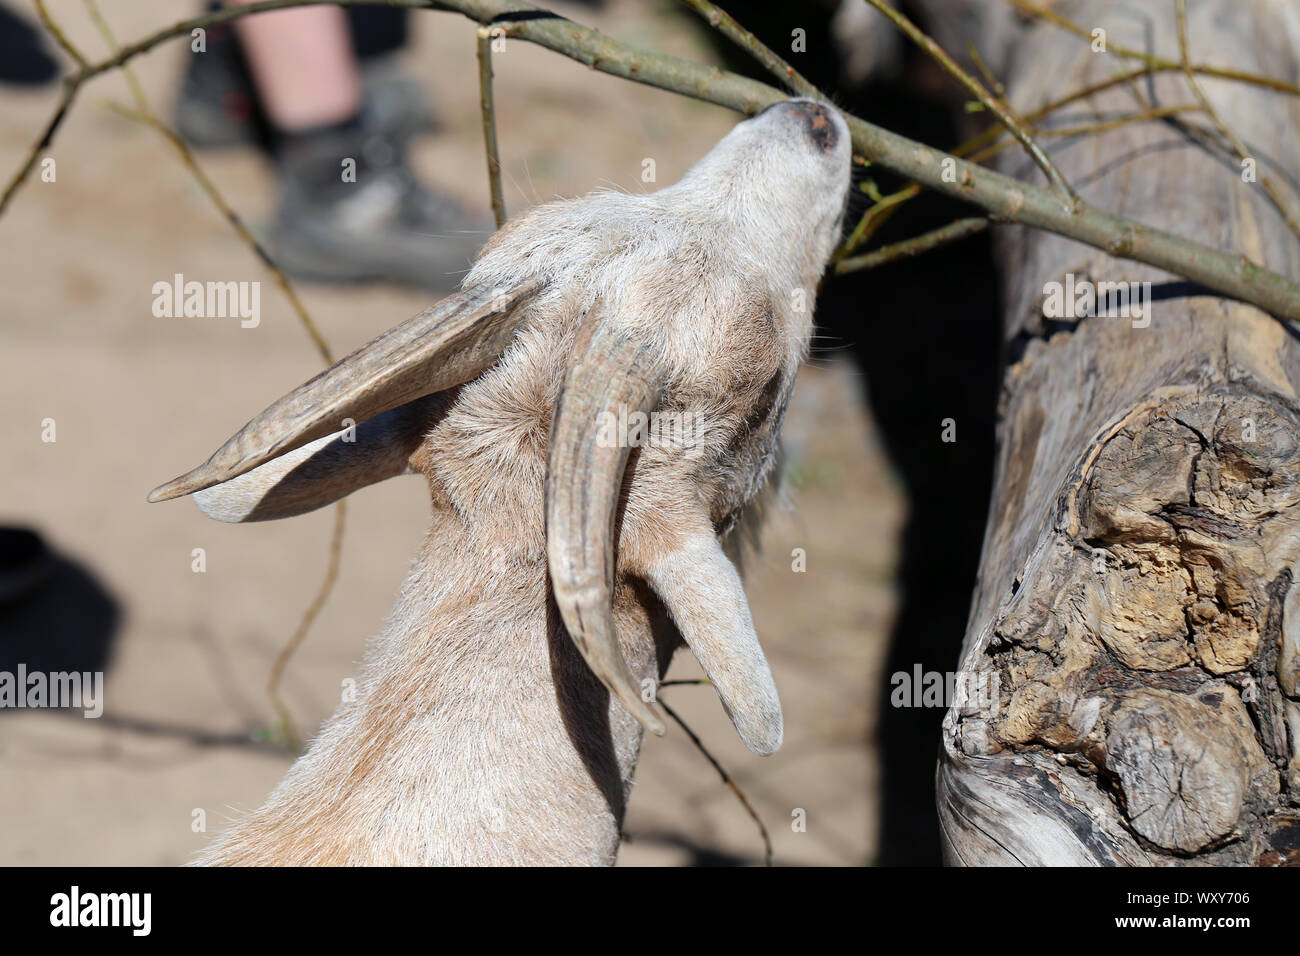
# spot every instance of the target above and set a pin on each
(1131, 665)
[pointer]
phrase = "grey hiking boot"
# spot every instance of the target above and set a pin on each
(382, 225)
(393, 102)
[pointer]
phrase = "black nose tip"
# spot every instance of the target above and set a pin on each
(816, 120)
(821, 129)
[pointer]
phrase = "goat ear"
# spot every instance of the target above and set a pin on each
(702, 591)
(325, 470)
(445, 346)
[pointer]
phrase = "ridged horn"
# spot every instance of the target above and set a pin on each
(611, 374)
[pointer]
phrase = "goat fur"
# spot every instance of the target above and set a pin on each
(478, 734)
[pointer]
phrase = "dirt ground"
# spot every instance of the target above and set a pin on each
(138, 399)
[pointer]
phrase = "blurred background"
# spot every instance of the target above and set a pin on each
(889, 515)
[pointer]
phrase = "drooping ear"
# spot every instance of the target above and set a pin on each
(325, 470)
(443, 347)
(702, 592)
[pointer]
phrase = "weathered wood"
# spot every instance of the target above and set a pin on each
(1135, 629)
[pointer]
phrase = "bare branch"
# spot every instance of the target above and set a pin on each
(59, 36)
(304, 625)
(1106, 126)
(144, 114)
(1003, 197)
(1153, 62)
(490, 124)
(990, 102)
(725, 24)
(726, 778)
(1239, 147)
(913, 247)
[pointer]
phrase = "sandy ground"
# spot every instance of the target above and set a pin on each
(137, 399)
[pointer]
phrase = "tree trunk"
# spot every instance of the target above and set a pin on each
(1129, 682)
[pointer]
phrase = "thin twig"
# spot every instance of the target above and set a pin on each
(996, 132)
(872, 219)
(990, 102)
(1239, 147)
(284, 721)
(726, 778)
(1106, 126)
(59, 36)
(875, 216)
(1157, 62)
(725, 24)
(913, 247)
(879, 213)
(485, 35)
(137, 91)
(145, 114)
(993, 82)
(70, 87)
(1083, 93)
(237, 223)
(1190, 72)
(304, 625)
(986, 144)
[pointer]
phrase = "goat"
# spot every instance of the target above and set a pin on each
(499, 714)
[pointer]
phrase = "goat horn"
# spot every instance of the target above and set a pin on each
(611, 374)
(441, 347)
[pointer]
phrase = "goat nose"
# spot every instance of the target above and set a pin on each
(818, 124)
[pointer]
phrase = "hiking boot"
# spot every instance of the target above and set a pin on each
(384, 226)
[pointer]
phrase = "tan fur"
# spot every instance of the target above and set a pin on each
(478, 733)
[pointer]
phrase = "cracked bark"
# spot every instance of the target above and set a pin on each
(1133, 651)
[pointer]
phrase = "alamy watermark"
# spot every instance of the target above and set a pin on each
(179, 299)
(1085, 299)
(133, 911)
(965, 690)
(673, 431)
(56, 691)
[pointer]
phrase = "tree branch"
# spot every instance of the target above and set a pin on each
(1265, 182)
(145, 115)
(490, 124)
(913, 247)
(727, 779)
(725, 24)
(1003, 197)
(1153, 62)
(59, 36)
(976, 89)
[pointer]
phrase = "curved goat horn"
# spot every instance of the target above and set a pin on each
(612, 374)
(441, 347)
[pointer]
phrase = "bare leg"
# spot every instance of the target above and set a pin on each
(303, 65)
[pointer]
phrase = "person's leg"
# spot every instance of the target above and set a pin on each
(218, 105)
(349, 207)
(303, 65)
